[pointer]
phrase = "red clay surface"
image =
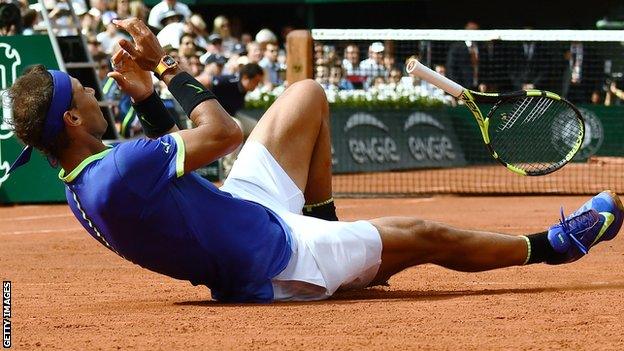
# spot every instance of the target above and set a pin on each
(69, 292)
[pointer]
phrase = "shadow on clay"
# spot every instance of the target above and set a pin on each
(372, 294)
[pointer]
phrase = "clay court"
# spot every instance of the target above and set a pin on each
(69, 292)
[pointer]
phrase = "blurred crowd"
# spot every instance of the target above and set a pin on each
(233, 62)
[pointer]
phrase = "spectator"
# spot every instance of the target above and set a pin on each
(89, 24)
(171, 17)
(138, 10)
(171, 34)
(215, 44)
(230, 90)
(93, 45)
(462, 62)
(122, 7)
(246, 38)
(232, 66)
(102, 67)
(351, 61)
(97, 9)
(79, 6)
(394, 77)
(389, 62)
(378, 82)
(158, 12)
(30, 18)
(187, 45)
(254, 52)
(221, 27)
(195, 66)
(270, 65)
(321, 76)
(337, 80)
(318, 54)
(214, 64)
(373, 66)
(265, 36)
(111, 36)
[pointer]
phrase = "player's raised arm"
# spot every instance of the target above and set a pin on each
(215, 133)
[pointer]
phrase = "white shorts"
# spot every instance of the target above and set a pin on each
(326, 255)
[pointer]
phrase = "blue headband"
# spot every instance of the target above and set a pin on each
(53, 125)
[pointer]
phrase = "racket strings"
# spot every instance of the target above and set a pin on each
(549, 130)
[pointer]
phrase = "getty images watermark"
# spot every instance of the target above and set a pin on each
(6, 314)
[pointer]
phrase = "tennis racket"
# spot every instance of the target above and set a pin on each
(531, 132)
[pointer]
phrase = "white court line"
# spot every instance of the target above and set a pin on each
(43, 231)
(28, 218)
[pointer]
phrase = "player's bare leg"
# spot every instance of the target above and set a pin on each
(295, 130)
(409, 242)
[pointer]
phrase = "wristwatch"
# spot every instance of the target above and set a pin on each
(166, 63)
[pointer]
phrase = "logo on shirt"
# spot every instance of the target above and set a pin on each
(199, 90)
(166, 145)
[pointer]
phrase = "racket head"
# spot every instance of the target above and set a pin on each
(534, 133)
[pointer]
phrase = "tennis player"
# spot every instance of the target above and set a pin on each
(247, 241)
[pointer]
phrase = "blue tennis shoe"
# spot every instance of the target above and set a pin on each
(599, 219)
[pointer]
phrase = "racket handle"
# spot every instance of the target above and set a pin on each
(423, 72)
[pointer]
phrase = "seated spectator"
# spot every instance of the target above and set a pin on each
(171, 34)
(138, 10)
(89, 24)
(351, 61)
(30, 18)
(171, 17)
(232, 65)
(319, 54)
(221, 26)
(270, 65)
(111, 36)
(389, 62)
(321, 76)
(214, 64)
(215, 44)
(254, 52)
(93, 45)
(246, 38)
(195, 65)
(378, 82)
(187, 45)
(265, 36)
(373, 66)
(122, 8)
(337, 80)
(394, 77)
(173, 52)
(158, 12)
(97, 8)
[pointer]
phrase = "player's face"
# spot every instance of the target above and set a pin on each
(86, 107)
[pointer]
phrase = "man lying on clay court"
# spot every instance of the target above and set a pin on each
(247, 241)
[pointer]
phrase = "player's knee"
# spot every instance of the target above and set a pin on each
(314, 91)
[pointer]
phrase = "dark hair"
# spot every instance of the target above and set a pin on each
(251, 70)
(29, 18)
(31, 96)
(10, 16)
(190, 35)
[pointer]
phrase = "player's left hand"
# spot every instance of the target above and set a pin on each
(130, 77)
